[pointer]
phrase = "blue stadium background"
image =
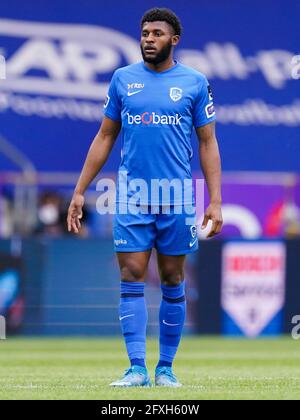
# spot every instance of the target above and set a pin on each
(60, 57)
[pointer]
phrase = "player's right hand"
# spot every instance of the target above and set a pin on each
(75, 213)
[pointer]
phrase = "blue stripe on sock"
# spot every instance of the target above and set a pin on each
(173, 291)
(126, 295)
(174, 300)
(132, 287)
(164, 363)
(138, 362)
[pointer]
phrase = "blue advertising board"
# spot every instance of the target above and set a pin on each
(60, 57)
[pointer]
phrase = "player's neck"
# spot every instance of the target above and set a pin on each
(163, 66)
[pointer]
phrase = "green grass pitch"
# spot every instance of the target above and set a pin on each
(209, 368)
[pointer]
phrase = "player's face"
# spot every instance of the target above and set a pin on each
(157, 41)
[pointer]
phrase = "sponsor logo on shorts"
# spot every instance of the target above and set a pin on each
(120, 242)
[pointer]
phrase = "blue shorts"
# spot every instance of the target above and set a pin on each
(170, 234)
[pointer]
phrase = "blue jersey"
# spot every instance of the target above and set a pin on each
(158, 112)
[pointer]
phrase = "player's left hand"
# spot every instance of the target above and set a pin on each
(213, 213)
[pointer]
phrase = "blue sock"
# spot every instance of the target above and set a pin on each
(133, 317)
(171, 319)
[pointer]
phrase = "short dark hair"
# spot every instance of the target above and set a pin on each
(163, 15)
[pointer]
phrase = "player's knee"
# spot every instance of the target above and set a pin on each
(171, 278)
(132, 272)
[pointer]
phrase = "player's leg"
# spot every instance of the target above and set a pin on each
(177, 236)
(133, 311)
(171, 315)
(133, 315)
(134, 236)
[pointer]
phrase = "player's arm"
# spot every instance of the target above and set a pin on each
(211, 166)
(96, 158)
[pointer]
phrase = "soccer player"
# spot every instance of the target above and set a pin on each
(156, 103)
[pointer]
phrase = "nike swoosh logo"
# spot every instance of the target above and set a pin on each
(170, 325)
(133, 93)
(126, 316)
(192, 243)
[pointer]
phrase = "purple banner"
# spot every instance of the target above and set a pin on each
(262, 206)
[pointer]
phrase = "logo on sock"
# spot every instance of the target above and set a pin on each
(126, 316)
(170, 325)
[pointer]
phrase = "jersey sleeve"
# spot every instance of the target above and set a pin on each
(112, 105)
(204, 112)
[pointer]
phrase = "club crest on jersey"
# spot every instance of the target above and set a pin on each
(175, 94)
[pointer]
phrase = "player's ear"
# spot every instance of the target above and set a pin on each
(175, 40)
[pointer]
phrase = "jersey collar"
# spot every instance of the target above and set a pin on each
(160, 72)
